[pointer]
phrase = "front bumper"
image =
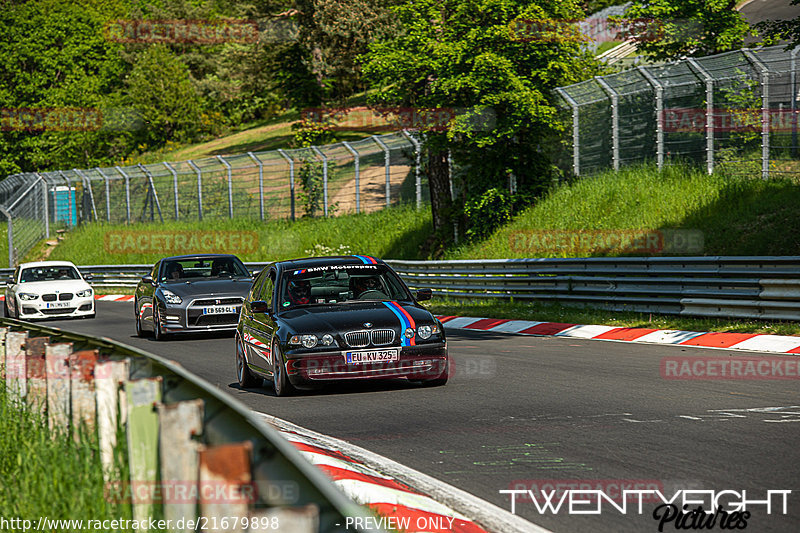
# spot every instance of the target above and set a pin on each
(415, 362)
(38, 309)
(188, 319)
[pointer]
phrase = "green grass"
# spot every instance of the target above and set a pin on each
(392, 233)
(548, 312)
(737, 216)
(53, 476)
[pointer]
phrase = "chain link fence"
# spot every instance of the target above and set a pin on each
(355, 177)
(735, 112)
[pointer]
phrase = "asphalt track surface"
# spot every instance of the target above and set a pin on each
(541, 408)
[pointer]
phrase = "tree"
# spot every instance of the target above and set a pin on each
(780, 30)
(671, 29)
(479, 60)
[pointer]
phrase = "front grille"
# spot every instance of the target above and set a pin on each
(217, 320)
(57, 311)
(217, 301)
(382, 337)
(65, 296)
(357, 339)
(360, 339)
(49, 297)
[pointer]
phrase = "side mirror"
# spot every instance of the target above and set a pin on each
(148, 279)
(255, 274)
(259, 306)
(88, 277)
(424, 294)
(9, 281)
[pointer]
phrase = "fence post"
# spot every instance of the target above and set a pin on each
(659, 93)
(10, 231)
(108, 193)
(260, 182)
(576, 132)
(153, 192)
(764, 75)
(614, 120)
(46, 207)
(355, 162)
(709, 112)
(127, 194)
(291, 178)
(387, 163)
(230, 186)
(417, 157)
(87, 185)
(199, 189)
(324, 177)
(793, 82)
(174, 187)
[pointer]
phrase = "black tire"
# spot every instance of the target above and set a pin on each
(243, 374)
(139, 331)
(280, 381)
(158, 335)
(441, 379)
(6, 312)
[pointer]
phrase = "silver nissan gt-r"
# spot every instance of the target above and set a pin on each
(191, 293)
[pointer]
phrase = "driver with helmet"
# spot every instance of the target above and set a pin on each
(299, 291)
(363, 284)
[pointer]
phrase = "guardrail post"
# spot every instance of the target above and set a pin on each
(324, 177)
(199, 189)
(291, 178)
(614, 119)
(658, 88)
(174, 187)
(230, 186)
(576, 131)
(127, 194)
(709, 81)
(355, 162)
(764, 75)
(793, 83)
(260, 182)
(417, 158)
(108, 193)
(387, 163)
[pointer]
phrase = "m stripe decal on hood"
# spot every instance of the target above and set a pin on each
(405, 322)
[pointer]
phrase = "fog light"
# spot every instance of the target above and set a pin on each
(423, 362)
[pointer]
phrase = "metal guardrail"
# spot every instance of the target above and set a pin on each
(732, 286)
(223, 423)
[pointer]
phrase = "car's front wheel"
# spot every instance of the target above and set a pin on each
(158, 333)
(139, 330)
(441, 379)
(6, 312)
(280, 380)
(243, 374)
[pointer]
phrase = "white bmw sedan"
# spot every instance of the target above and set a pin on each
(48, 289)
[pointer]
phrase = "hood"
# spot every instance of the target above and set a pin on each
(352, 316)
(209, 287)
(45, 287)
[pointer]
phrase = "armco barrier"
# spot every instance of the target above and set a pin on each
(184, 436)
(732, 286)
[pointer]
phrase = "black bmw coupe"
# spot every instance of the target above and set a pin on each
(191, 293)
(316, 320)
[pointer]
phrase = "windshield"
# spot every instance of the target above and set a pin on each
(48, 273)
(204, 268)
(341, 283)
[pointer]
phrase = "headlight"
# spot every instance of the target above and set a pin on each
(308, 341)
(409, 333)
(327, 340)
(27, 296)
(425, 332)
(171, 297)
(84, 293)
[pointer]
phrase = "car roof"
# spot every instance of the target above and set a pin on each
(310, 262)
(197, 256)
(35, 264)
